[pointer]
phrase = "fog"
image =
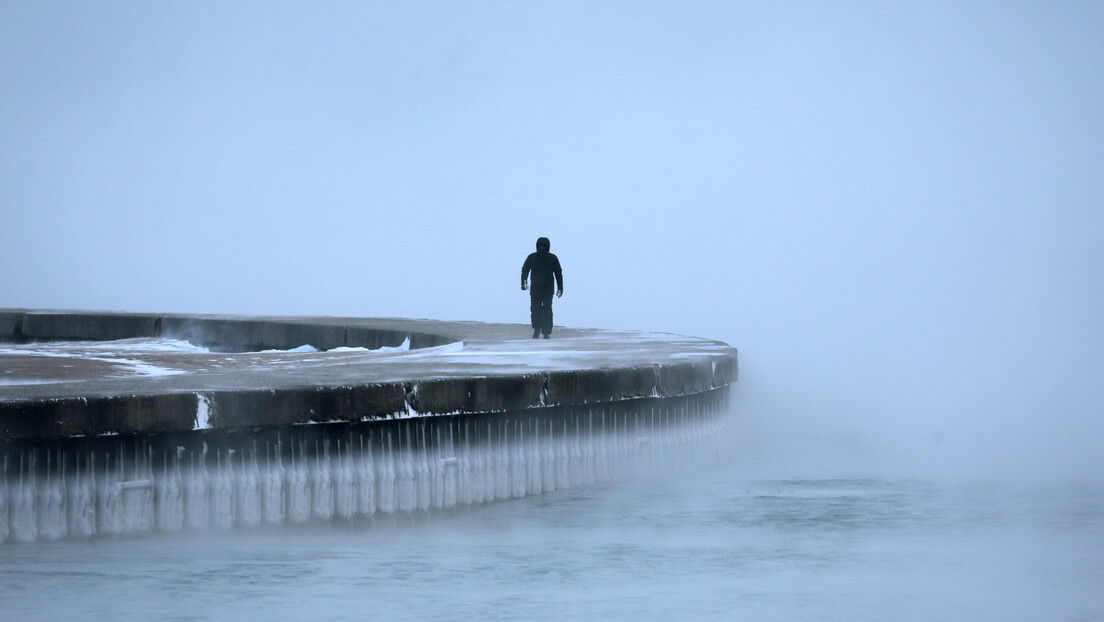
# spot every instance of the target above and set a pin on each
(892, 210)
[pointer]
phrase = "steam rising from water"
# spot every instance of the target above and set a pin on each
(715, 538)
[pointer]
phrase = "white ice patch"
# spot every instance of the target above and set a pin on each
(112, 352)
(118, 347)
(306, 347)
(449, 348)
(158, 345)
(203, 411)
(130, 366)
(138, 367)
(402, 347)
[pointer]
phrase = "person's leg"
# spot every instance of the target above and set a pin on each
(546, 316)
(535, 312)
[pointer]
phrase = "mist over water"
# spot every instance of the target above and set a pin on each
(892, 211)
(720, 536)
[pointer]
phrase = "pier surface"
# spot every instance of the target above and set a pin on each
(66, 374)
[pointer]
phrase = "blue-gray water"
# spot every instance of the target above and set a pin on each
(716, 541)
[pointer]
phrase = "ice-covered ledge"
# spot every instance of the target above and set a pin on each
(189, 371)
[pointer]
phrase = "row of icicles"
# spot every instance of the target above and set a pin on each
(417, 465)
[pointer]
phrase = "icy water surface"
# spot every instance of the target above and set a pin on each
(705, 544)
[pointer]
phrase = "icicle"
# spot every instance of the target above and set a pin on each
(366, 479)
(436, 462)
(51, 504)
(23, 525)
(247, 491)
(298, 488)
(465, 476)
(518, 468)
(345, 493)
(548, 458)
(272, 491)
(385, 493)
(499, 462)
(81, 503)
(533, 459)
(197, 507)
(170, 499)
(5, 493)
(563, 478)
(322, 493)
(407, 496)
(483, 471)
(103, 498)
(422, 475)
(449, 470)
(222, 492)
(588, 450)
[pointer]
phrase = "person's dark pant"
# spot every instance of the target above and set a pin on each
(540, 310)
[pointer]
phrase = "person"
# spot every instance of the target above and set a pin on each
(541, 267)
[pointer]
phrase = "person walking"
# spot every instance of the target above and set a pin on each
(541, 267)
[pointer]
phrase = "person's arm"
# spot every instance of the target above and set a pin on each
(559, 278)
(525, 267)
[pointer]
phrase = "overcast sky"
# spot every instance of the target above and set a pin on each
(894, 210)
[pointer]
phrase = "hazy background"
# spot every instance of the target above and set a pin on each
(894, 210)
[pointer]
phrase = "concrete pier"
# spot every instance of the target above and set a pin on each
(115, 424)
(450, 367)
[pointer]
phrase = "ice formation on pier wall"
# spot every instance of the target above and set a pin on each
(219, 479)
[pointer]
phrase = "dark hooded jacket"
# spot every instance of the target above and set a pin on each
(544, 266)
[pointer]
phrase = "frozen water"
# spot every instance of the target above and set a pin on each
(209, 480)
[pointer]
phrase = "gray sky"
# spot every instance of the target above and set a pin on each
(894, 209)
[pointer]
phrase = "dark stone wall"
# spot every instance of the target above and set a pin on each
(220, 334)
